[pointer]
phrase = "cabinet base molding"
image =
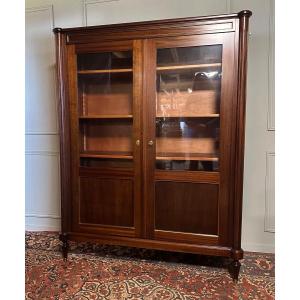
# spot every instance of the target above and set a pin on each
(152, 244)
(236, 255)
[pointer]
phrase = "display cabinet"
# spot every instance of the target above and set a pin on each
(152, 121)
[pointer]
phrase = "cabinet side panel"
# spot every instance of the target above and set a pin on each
(64, 128)
(240, 128)
(74, 133)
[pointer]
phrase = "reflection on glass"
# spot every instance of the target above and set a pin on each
(104, 60)
(188, 108)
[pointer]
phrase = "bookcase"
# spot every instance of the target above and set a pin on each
(152, 118)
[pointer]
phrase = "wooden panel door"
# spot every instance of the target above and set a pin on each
(105, 137)
(188, 138)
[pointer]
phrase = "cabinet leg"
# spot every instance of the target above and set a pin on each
(65, 245)
(234, 270)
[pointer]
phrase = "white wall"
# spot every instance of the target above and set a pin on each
(42, 151)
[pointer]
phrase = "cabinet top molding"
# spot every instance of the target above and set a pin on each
(167, 22)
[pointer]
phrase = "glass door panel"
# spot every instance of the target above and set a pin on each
(188, 92)
(188, 108)
(105, 92)
(107, 201)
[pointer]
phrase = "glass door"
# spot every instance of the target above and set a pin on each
(190, 149)
(188, 108)
(105, 108)
(105, 146)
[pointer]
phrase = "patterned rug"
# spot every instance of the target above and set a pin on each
(114, 273)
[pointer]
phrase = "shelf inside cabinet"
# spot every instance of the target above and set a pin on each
(189, 156)
(104, 71)
(170, 115)
(186, 146)
(96, 117)
(184, 67)
(97, 154)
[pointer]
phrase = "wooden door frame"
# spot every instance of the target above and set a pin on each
(75, 170)
(227, 134)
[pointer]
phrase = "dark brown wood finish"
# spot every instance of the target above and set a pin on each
(65, 245)
(186, 207)
(111, 192)
(226, 128)
(152, 29)
(188, 176)
(148, 99)
(189, 238)
(106, 201)
(137, 139)
(116, 138)
(74, 136)
(242, 44)
(152, 244)
(64, 128)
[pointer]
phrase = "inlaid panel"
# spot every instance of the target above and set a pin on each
(186, 207)
(106, 201)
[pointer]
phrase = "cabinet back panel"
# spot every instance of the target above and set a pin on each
(106, 201)
(105, 94)
(186, 207)
(108, 136)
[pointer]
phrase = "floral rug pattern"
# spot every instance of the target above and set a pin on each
(104, 272)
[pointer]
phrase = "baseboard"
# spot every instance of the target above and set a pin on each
(265, 248)
(42, 223)
(34, 227)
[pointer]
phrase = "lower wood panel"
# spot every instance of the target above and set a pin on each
(106, 201)
(186, 207)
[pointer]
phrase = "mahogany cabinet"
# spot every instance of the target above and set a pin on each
(152, 121)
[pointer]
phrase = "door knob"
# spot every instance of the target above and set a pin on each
(137, 142)
(150, 143)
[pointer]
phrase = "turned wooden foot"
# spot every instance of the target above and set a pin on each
(234, 270)
(65, 245)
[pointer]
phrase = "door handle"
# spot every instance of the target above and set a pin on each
(150, 143)
(137, 142)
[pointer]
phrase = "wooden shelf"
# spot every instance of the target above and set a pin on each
(119, 155)
(189, 156)
(186, 146)
(162, 68)
(105, 117)
(104, 71)
(188, 116)
(183, 67)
